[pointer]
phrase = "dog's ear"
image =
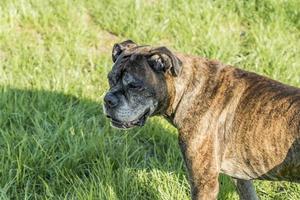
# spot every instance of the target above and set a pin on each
(162, 59)
(120, 47)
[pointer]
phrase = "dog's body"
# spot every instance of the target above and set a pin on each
(229, 121)
(235, 122)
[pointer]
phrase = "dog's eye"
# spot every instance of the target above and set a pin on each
(135, 85)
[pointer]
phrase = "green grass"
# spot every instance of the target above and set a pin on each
(55, 142)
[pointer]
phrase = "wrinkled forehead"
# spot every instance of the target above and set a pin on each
(133, 56)
(129, 62)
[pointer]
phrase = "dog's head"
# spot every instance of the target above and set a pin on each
(138, 85)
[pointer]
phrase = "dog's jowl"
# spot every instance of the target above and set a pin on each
(229, 120)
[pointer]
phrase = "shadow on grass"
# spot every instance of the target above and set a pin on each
(55, 145)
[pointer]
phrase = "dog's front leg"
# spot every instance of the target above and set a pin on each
(204, 188)
(202, 165)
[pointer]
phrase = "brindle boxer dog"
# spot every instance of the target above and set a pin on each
(229, 120)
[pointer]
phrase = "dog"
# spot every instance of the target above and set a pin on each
(229, 120)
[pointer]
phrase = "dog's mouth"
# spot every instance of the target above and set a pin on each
(125, 125)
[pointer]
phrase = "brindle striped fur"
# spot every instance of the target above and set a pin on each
(234, 122)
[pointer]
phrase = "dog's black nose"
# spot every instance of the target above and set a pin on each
(111, 100)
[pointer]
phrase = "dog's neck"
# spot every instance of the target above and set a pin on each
(198, 74)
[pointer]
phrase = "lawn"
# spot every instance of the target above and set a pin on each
(55, 142)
